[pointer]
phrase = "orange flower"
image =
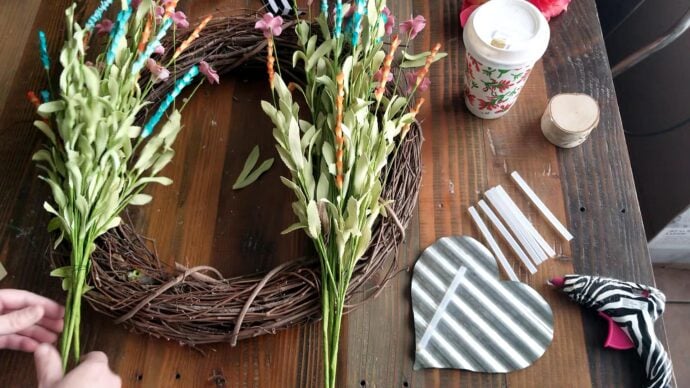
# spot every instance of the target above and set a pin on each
(145, 34)
(339, 141)
(270, 61)
(170, 8)
(192, 37)
(386, 69)
(429, 59)
(414, 112)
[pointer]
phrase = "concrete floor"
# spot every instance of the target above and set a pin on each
(674, 281)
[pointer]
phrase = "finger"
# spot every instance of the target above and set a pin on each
(19, 320)
(54, 325)
(39, 334)
(95, 357)
(18, 299)
(18, 342)
(48, 365)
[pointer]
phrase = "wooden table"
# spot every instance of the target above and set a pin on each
(200, 219)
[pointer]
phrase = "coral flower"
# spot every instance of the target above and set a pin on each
(159, 72)
(412, 26)
(270, 25)
(104, 27)
(160, 11)
(180, 19)
(411, 78)
(379, 73)
(389, 19)
(207, 70)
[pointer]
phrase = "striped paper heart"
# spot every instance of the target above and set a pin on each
(465, 317)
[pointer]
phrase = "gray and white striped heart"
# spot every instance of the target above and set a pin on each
(465, 317)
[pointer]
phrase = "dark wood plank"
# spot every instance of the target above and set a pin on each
(601, 203)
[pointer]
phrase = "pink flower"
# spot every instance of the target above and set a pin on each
(180, 19)
(159, 50)
(207, 70)
(390, 20)
(160, 11)
(411, 77)
(270, 25)
(551, 8)
(135, 4)
(377, 76)
(412, 26)
(104, 27)
(159, 72)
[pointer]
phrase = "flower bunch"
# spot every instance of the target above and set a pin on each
(337, 153)
(99, 158)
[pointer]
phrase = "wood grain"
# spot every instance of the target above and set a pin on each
(200, 219)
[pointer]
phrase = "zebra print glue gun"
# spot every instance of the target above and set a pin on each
(630, 310)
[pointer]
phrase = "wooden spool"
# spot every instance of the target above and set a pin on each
(569, 119)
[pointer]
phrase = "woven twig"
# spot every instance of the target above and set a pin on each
(196, 306)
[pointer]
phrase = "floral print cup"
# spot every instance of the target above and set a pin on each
(491, 91)
(503, 40)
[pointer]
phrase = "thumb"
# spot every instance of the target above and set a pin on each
(48, 365)
(19, 320)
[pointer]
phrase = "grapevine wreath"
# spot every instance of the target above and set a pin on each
(196, 306)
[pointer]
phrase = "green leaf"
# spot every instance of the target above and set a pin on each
(313, 220)
(54, 224)
(45, 128)
(292, 228)
(420, 59)
(248, 164)
(155, 179)
(263, 167)
(47, 108)
(114, 222)
(62, 272)
(140, 199)
(247, 176)
(322, 187)
(320, 52)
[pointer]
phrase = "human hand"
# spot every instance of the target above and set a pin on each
(27, 320)
(93, 371)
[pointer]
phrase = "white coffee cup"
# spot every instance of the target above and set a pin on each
(503, 40)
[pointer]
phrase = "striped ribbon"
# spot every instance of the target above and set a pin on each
(119, 32)
(357, 21)
(338, 24)
(97, 14)
(177, 89)
(43, 49)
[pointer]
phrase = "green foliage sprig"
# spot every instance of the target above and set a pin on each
(97, 161)
(337, 156)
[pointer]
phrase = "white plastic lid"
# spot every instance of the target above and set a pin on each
(507, 33)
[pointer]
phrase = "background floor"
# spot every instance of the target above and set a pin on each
(674, 281)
